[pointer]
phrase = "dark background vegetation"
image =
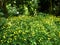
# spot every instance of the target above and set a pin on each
(16, 7)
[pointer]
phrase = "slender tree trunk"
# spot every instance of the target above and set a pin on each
(51, 8)
(5, 11)
(3, 7)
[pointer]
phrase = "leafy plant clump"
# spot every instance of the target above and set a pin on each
(27, 30)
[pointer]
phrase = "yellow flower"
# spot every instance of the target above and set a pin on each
(4, 37)
(5, 33)
(7, 41)
(15, 37)
(23, 32)
(9, 23)
(19, 31)
(33, 33)
(49, 38)
(15, 32)
(10, 38)
(11, 34)
(25, 39)
(1, 40)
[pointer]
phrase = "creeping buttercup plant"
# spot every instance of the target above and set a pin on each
(27, 30)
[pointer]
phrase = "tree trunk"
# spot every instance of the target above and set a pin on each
(3, 7)
(5, 11)
(51, 8)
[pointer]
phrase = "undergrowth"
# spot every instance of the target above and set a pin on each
(27, 30)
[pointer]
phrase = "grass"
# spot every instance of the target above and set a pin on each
(27, 30)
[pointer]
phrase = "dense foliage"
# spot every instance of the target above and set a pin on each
(29, 22)
(29, 7)
(26, 30)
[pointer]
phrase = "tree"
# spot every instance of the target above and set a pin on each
(3, 7)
